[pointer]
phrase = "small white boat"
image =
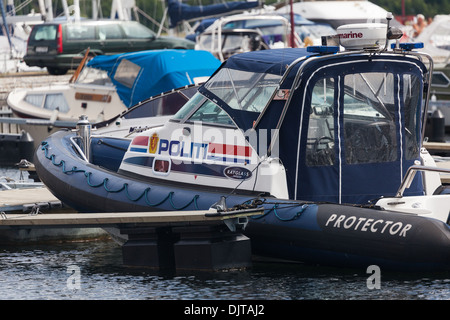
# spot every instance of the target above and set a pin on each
(338, 13)
(150, 113)
(106, 87)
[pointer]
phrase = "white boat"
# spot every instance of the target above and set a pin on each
(436, 40)
(148, 114)
(106, 87)
(338, 13)
(259, 30)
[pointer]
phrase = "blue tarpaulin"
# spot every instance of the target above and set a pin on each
(179, 12)
(154, 71)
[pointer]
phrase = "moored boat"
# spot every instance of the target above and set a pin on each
(329, 142)
(108, 86)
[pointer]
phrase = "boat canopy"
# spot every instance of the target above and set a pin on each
(246, 82)
(179, 12)
(345, 126)
(140, 75)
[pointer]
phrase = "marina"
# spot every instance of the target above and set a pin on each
(292, 166)
(317, 213)
(195, 240)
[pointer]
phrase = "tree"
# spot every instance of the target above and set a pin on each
(429, 8)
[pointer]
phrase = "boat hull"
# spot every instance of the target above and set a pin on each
(350, 236)
(318, 233)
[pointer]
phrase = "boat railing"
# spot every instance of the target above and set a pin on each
(411, 173)
(77, 147)
(84, 138)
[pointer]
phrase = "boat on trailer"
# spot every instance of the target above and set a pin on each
(329, 142)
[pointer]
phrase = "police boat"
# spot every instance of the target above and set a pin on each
(328, 139)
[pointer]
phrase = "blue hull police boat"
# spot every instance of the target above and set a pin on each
(329, 142)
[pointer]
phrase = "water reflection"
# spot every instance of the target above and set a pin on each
(41, 272)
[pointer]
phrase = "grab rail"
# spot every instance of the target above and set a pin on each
(411, 173)
(77, 147)
(84, 134)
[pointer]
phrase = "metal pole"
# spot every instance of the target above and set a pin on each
(84, 131)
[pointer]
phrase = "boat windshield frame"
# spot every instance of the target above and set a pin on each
(242, 94)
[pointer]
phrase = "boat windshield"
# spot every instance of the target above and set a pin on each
(94, 76)
(243, 90)
(240, 95)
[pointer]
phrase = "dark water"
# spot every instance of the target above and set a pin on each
(47, 272)
(94, 271)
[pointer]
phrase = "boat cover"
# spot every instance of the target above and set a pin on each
(377, 172)
(140, 75)
(179, 12)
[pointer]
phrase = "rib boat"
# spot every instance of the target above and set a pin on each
(327, 140)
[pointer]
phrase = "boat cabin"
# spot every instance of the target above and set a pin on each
(315, 124)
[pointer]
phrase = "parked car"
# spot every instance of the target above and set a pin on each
(60, 46)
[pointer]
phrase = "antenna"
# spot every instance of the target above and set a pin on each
(392, 33)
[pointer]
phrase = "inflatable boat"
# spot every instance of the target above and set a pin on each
(328, 141)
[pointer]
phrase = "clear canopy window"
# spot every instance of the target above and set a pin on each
(369, 118)
(127, 73)
(242, 90)
(94, 76)
(374, 129)
(210, 112)
(320, 140)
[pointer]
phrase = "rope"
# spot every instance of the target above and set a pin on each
(276, 205)
(124, 186)
(111, 145)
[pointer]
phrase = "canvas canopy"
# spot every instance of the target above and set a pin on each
(140, 75)
(347, 127)
(179, 11)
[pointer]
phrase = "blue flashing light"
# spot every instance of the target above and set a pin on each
(323, 49)
(408, 46)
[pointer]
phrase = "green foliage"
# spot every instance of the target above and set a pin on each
(429, 8)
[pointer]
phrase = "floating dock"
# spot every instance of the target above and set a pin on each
(182, 240)
(23, 199)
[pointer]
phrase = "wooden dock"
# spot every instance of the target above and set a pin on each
(18, 200)
(182, 240)
(105, 220)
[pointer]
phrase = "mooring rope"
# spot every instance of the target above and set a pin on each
(278, 216)
(87, 174)
(253, 203)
